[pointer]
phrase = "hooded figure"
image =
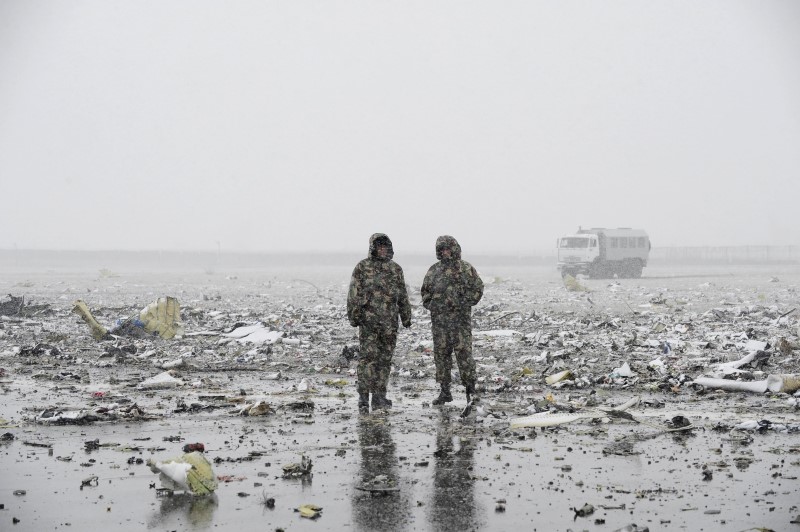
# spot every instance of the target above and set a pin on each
(450, 289)
(376, 299)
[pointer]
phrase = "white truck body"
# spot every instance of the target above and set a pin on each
(604, 253)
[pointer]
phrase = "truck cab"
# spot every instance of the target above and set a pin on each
(577, 249)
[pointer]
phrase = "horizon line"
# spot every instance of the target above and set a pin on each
(529, 252)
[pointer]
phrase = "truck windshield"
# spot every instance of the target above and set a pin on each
(574, 242)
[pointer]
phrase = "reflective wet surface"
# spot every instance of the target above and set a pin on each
(447, 475)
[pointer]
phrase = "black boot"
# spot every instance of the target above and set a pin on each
(470, 391)
(363, 402)
(380, 402)
(444, 396)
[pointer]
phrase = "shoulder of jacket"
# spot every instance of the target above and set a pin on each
(363, 263)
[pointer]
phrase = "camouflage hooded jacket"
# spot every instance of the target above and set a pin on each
(451, 286)
(377, 292)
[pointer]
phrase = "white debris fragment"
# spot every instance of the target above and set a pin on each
(161, 381)
(773, 383)
(623, 371)
(560, 376)
(254, 334)
(658, 365)
(751, 346)
(259, 408)
(173, 364)
(550, 419)
(61, 416)
(191, 472)
(498, 332)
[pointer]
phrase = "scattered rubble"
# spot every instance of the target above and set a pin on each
(690, 381)
(16, 306)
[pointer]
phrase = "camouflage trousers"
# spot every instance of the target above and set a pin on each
(375, 359)
(451, 338)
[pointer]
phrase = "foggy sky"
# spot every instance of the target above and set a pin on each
(295, 125)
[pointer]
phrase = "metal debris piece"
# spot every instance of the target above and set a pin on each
(98, 331)
(163, 317)
(260, 408)
(296, 470)
(773, 383)
(92, 480)
(309, 511)
(191, 472)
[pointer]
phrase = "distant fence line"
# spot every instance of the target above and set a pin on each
(727, 254)
(43, 260)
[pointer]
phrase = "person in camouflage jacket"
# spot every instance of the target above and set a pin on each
(376, 298)
(450, 289)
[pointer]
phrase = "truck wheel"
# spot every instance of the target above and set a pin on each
(597, 271)
(626, 270)
(630, 269)
(636, 269)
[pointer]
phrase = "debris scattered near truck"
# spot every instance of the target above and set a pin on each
(573, 285)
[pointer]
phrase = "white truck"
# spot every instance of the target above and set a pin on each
(603, 253)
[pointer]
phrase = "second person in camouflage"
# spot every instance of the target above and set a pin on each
(377, 297)
(450, 289)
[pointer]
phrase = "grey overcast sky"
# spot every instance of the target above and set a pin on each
(308, 125)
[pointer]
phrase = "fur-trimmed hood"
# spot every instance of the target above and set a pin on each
(448, 242)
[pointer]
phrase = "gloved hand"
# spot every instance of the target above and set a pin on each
(357, 318)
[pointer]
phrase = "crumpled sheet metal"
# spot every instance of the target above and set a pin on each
(163, 317)
(191, 472)
(259, 408)
(85, 416)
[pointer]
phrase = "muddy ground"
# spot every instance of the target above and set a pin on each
(438, 471)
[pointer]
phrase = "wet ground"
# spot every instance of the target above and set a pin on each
(416, 467)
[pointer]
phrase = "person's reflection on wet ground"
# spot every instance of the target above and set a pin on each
(187, 509)
(385, 507)
(452, 503)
